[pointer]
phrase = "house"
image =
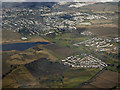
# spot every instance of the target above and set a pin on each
(63, 60)
(24, 38)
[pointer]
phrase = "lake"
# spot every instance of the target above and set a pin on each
(20, 46)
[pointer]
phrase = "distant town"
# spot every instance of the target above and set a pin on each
(43, 21)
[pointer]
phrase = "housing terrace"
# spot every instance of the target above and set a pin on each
(85, 62)
(101, 44)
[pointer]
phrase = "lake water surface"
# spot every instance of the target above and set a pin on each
(20, 46)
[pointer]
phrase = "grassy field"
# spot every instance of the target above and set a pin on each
(60, 51)
(75, 77)
(19, 78)
(104, 30)
(67, 39)
(98, 22)
(64, 44)
(9, 36)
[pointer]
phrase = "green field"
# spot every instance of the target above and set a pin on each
(75, 77)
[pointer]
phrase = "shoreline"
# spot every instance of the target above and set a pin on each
(10, 42)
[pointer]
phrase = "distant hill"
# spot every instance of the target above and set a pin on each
(42, 67)
(96, 7)
(100, 7)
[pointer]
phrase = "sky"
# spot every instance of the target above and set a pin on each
(59, 0)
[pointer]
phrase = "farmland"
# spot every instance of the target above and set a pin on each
(103, 80)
